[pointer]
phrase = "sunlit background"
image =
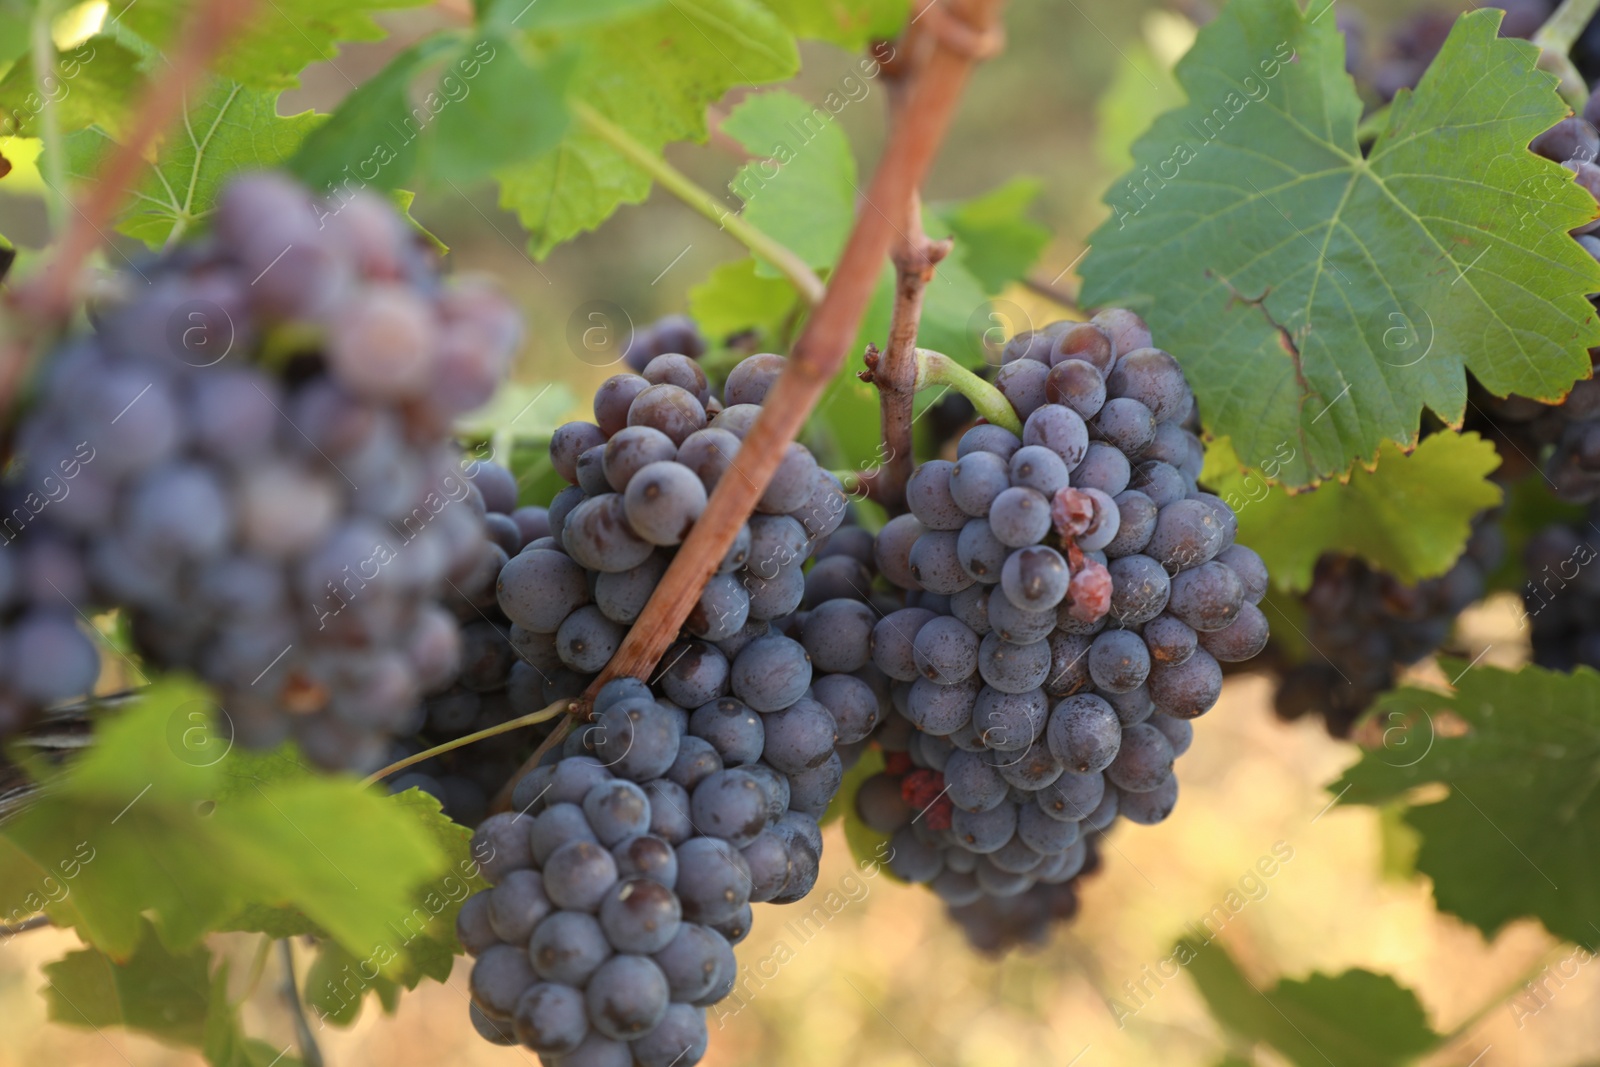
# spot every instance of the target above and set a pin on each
(887, 981)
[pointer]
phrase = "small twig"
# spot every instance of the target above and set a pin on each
(307, 1042)
(679, 184)
(533, 718)
(10, 930)
(817, 355)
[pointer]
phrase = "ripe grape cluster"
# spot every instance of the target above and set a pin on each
(255, 445)
(1363, 626)
(1074, 593)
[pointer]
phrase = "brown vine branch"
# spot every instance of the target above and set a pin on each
(818, 352)
(45, 300)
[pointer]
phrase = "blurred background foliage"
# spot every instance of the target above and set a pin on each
(886, 981)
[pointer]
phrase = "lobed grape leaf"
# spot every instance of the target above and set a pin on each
(1318, 299)
(174, 997)
(735, 298)
(160, 817)
(1519, 752)
(1411, 515)
(94, 82)
(230, 128)
(1353, 1019)
(16, 19)
(281, 39)
(801, 188)
(847, 23)
(652, 74)
(507, 15)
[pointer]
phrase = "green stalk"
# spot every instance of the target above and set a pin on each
(531, 719)
(1555, 40)
(936, 368)
(44, 69)
(679, 184)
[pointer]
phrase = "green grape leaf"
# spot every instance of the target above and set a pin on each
(514, 110)
(1320, 300)
(154, 820)
(995, 240)
(1411, 515)
(94, 84)
(801, 188)
(16, 21)
(1353, 1019)
(653, 75)
(735, 298)
(231, 128)
(849, 24)
(504, 16)
(281, 39)
(1519, 753)
(337, 984)
(1141, 88)
(172, 996)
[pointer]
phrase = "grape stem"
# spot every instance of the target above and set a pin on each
(533, 718)
(36, 922)
(1555, 40)
(968, 33)
(43, 303)
(679, 184)
(936, 368)
(310, 1054)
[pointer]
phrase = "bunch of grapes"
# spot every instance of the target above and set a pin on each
(1363, 626)
(622, 879)
(1075, 594)
(46, 656)
(262, 470)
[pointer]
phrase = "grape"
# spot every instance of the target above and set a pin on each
(1124, 423)
(1143, 762)
(1104, 467)
(1084, 733)
(1061, 430)
(1014, 857)
(1023, 383)
(713, 880)
(627, 996)
(791, 483)
(798, 738)
(662, 501)
(912, 860)
(975, 480)
(1073, 795)
(973, 784)
(776, 596)
(811, 791)
(678, 1040)
(696, 674)
(499, 976)
(1086, 341)
(837, 578)
(709, 454)
(690, 961)
(771, 673)
(1069, 664)
(752, 378)
(985, 831)
(1252, 573)
(616, 810)
(592, 472)
(971, 606)
(587, 640)
(768, 859)
(1150, 807)
(880, 805)
(981, 554)
(735, 731)
(646, 856)
(722, 610)
(577, 875)
(596, 1050)
(500, 846)
(551, 1019)
(613, 399)
(1013, 668)
(776, 543)
(893, 552)
(1169, 640)
(1161, 482)
(639, 916)
(945, 650)
(1189, 689)
(1019, 516)
(1020, 626)
(1034, 578)
(668, 408)
(570, 441)
(636, 740)
(1031, 771)
(1140, 589)
(630, 450)
(838, 635)
(597, 535)
(669, 811)
(774, 786)
(1118, 661)
(677, 369)
(986, 438)
(572, 779)
(928, 497)
(1040, 469)
(851, 702)
(1187, 534)
(1154, 379)
(942, 709)
(1136, 521)
(1208, 597)
(731, 805)
(472, 922)
(1008, 722)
